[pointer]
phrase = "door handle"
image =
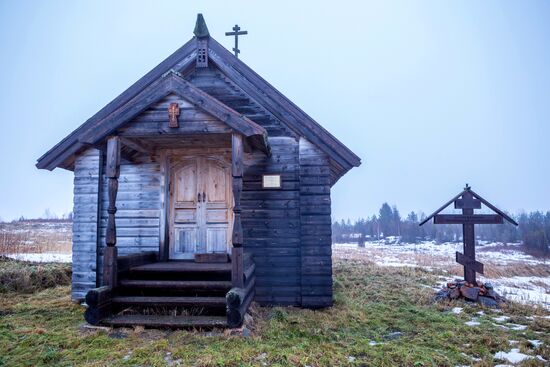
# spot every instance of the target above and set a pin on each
(203, 196)
(199, 197)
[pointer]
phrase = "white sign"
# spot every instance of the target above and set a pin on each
(271, 181)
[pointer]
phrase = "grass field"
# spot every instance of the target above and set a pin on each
(30, 236)
(383, 316)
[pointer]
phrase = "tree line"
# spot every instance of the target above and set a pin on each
(533, 230)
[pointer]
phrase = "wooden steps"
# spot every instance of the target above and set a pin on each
(169, 301)
(173, 322)
(183, 267)
(175, 284)
(151, 294)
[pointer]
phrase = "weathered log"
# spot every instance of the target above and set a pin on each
(247, 260)
(237, 274)
(236, 296)
(94, 315)
(249, 272)
(110, 272)
(99, 296)
(124, 263)
(235, 316)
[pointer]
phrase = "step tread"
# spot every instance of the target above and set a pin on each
(181, 266)
(179, 284)
(169, 301)
(166, 321)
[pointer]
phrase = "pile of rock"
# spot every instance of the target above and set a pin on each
(480, 292)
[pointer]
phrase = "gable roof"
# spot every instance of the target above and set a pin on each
(180, 60)
(183, 61)
(487, 204)
(280, 106)
(172, 82)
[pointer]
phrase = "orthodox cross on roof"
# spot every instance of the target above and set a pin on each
(236, 32)
(468, 200)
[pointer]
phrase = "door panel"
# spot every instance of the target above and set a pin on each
(216, 239)
(201, 207)
(185, 216)
(216, 185)
(217, 216)
(217, 204)
(186, 240)
(184, 212)
(186, 182)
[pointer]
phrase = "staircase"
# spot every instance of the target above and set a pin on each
(173, 294)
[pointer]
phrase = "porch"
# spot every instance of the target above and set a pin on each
(209, 289)
(172, 294)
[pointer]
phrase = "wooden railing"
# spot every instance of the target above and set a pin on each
(238, 299)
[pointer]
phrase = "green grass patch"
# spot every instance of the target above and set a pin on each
(371, 303)
(26, 277)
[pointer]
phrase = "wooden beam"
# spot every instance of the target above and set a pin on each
(469, 262)
(113, 157)
(112, 172)
(237, 173)
(494, 208)
(467, 219)
(237, 260)
(214, 107)
(441, 208)
(467, 204)
(138, 146)
(468, 240)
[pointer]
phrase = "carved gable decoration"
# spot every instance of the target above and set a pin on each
(173, 113)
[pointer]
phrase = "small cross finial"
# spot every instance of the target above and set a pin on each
(467, 187)
(236, 32)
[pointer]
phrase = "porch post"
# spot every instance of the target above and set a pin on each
(112, 171)
(237, 261)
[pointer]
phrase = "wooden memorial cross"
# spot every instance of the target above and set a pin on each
(468, 201)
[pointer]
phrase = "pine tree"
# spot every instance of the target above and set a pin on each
(385, 220)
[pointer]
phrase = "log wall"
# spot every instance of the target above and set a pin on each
(316, 231)
(271, 223)
(138, 209)
(85, 218)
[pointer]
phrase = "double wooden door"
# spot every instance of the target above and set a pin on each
(200, 206)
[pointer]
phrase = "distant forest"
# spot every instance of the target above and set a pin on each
(533, 230)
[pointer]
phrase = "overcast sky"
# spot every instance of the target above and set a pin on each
(429, 94)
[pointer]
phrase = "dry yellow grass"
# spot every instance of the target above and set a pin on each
(35, 237)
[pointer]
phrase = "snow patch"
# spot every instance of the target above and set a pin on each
(501, 318)
(472, 322)
(429, 255)
(42, 258)
(517, 326)
(535, 343)
(514, 356)
(457, 310)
